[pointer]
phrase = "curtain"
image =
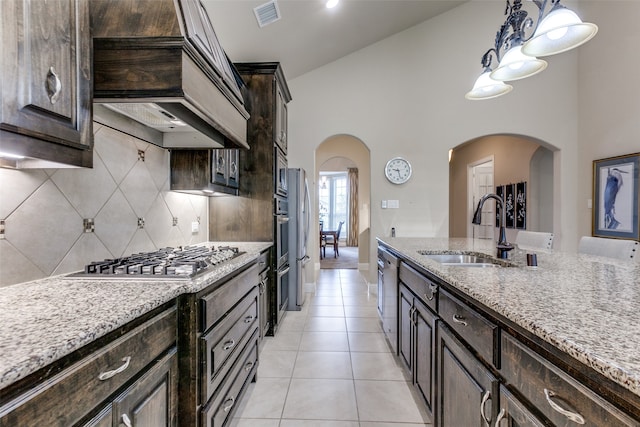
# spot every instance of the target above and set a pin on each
(354, 212)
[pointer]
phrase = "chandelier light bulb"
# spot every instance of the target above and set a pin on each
(486, 88)
(331, 3)
(561, 30)
(515, 65)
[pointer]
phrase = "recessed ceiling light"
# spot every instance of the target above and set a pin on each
(332, 3)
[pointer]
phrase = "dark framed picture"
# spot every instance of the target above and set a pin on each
(521, 205)
(510, 205)
(616, 197)
(499, 193)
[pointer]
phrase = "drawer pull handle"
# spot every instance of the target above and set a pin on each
(106, 375)
(573, 416)
(126, 421)
(485, 398)
(248, 366)
(227, 345)
(231, 401)
(501, 415)
(460, 320)
(248, 319)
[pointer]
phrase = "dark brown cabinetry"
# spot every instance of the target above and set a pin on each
(487, 370)
(467, 390)
(252, 216)
(218, 344)
(204, 172)
(390, 297)
(138, 366)
(416, 344)
(46, 80)
(264, 287)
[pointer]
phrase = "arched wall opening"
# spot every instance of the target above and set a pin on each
(354, 152)
(517, 158)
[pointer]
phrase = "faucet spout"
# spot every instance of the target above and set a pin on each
(503, 246)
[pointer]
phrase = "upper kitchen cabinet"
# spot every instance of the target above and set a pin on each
(270, 94)
(46, 83)
(161, 74)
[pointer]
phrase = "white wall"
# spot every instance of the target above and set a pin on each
(404, 96)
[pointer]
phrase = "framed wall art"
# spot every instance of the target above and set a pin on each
(616, 194)
(521, 205)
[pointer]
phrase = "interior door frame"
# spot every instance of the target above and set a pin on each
(470, 188)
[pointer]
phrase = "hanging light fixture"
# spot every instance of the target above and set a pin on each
(556, 30)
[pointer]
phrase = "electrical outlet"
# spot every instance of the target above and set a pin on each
(2, 229)
(195, 227)
(140, 222)
(175, 221)
(141, 155)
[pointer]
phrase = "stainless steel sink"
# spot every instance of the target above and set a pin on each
(462, 260)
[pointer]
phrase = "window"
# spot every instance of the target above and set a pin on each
(334, 201)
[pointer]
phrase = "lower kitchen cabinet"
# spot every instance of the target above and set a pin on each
(467, 390)
(265, 290)
(218, 345)
(514, 413)
(416, 344)
(149, 402)
(138, 366)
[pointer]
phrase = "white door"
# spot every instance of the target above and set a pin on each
(481, 183)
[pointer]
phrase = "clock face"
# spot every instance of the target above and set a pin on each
(398, 170)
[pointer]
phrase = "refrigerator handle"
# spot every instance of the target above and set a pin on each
(307, 198)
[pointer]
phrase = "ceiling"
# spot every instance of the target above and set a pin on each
(309, 35)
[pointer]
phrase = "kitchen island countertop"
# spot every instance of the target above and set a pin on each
(46, 319)
(586, 306)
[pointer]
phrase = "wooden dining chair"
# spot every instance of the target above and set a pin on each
(331, 240)
(323, 243)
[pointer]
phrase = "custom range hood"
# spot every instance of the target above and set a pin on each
(161, 75)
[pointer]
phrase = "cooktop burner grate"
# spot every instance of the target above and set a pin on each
(166, 263)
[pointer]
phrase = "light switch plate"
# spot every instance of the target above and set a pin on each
(384, 204)
(393, 204)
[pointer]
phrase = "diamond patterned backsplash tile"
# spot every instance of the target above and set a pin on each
(44, 210)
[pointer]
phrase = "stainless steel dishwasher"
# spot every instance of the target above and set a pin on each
(389, 281)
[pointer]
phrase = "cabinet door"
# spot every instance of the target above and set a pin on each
(199, 32)
(233, 169)
(380, 288)
(152, 400)
(103, 419)
(280, 126)
(424, 344)
(46, 70)
(467, 390)
(514, 413)
(219, 167)
(405, 324)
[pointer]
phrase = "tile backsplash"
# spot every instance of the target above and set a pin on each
(58, 220)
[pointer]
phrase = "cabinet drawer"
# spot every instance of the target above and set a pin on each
(561, 399)
(424, 288)
(221, 408)
(470, 325)
(84, 385)
(221, 300)
(263, 261)
(224, 341)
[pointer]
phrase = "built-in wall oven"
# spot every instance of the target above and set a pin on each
(280, 172)
(281, 243)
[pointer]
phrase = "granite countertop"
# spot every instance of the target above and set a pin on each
(586, 306)
(46, 319)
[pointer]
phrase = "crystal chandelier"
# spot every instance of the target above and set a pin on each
(556, 30)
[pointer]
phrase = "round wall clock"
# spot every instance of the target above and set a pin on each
(398, 170)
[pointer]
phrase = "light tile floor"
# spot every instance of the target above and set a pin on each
(330, 366)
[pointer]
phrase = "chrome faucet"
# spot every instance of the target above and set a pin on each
(503, 246)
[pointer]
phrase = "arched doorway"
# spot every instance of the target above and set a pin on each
(347, 152)
(516, 159)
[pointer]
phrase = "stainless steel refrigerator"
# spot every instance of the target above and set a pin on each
(299, 226)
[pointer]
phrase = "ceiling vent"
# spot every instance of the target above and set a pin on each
(267, 13)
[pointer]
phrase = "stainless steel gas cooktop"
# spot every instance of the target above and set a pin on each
(180, 263)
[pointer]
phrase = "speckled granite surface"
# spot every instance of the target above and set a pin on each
(587, 306)
(47, 319)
